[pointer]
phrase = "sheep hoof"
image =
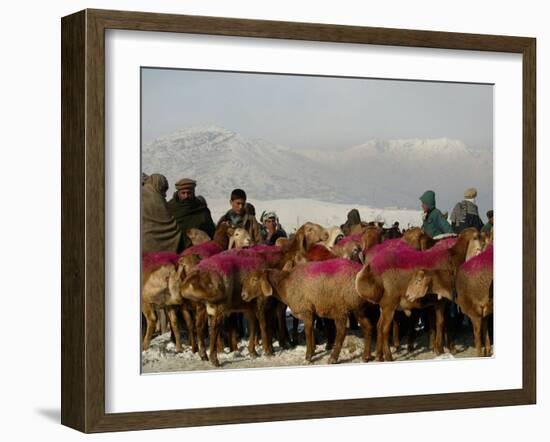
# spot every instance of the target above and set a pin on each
(215, 362)
(332, 360)
(179, 350)
(253, 354)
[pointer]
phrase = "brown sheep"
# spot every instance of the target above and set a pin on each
(474, 292)
(197, 236)
(393, 263)
(217, 282)
(325, 289)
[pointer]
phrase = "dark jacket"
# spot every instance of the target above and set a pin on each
(192, 214)
(279, 233)
(464, 215)
(434, 222)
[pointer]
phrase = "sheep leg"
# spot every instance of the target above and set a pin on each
(151, 318)
(284, 338)
(383, 351)
(476, 325)
(173, 318)
(266, 339)
(439, 327)
(330, 332)
(485, 336)
(214, 328)
(251, 318)
(232, 324)
(310, 338)
(295, 322)
(395, 333)
(339, 340)
(366, 327)
(190, 327)
(200, 322)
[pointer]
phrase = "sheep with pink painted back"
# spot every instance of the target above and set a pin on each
(217, 282)
(325, 289)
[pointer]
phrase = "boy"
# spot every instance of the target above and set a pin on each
(242, 214)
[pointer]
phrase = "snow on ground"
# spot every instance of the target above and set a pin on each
(161, 356)
(293, 213)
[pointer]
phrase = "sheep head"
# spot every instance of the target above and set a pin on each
(256, 284)
(197, 236)
(308, 234)
(238, 238)
(203, 286)
(367, 286)
(423, 282)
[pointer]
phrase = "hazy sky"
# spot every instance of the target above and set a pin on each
(307, 112)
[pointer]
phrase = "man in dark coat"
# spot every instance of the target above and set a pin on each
(190, 210)
(465, 213)
(434, 223)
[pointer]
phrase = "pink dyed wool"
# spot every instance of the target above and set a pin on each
(151, 260)
(232, 261)
(356, 237)
(445, 244)
(330, 267)
(270, 254)
(402, 256)
(481, 262)
(204, 250)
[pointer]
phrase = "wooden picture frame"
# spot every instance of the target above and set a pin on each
(83, 220)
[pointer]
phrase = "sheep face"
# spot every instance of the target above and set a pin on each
(185, 265)
(238, 238)
(256, 284)
(203, 286)
(419, 285)
(197, 236)
(473, 238)
(335, 234)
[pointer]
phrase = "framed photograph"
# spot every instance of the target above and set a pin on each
(247, 204)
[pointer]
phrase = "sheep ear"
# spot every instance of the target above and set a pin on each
(266, 287)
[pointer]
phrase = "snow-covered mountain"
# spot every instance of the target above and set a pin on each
(221, 160)
(378, 173)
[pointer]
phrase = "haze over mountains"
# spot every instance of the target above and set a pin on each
(378, 173)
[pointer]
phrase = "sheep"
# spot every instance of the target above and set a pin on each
(217, 282)
(325, 289)
(197, 236)
(474, 292)
(393, 262)
(335, 234)
(159, 280)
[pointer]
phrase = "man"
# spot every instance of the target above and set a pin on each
(488, 228)
(465, 213)
(242, 214)
(271, 229)
(353, 219)
(190, 210)
(434, 223)
(159, 230)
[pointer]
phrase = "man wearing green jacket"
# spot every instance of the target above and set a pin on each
(434, 223)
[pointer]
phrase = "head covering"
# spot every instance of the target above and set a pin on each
(158, 182)
(428, 198)
(490, 214)
(267, 215)
(470, 193)
(186, 183)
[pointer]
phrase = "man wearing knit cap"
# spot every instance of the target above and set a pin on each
(465, 213)
(190, 210)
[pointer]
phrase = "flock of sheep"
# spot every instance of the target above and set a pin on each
(320, 275)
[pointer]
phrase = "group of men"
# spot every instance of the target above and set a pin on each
(165, 223)
(465, 214)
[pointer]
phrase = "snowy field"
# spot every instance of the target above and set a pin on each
(161, 356)
(293, 213)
